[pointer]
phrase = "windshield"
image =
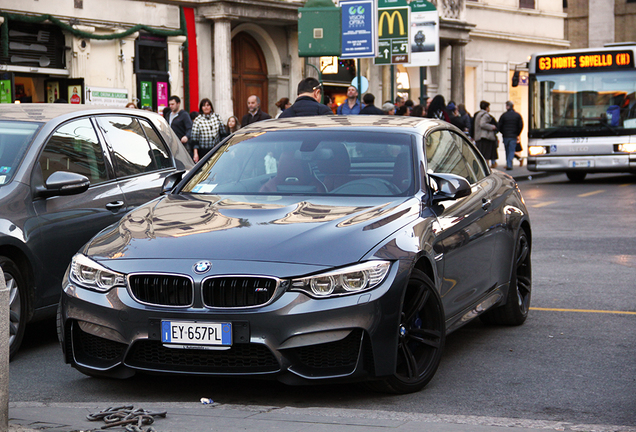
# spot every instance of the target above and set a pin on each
(15, 138)
(315, 162)
(600, 103)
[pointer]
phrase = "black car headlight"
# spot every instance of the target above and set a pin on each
(348, 280)
(89, 274)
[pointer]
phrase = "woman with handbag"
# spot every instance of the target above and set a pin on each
(485, 133)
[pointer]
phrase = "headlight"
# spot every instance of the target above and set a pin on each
(627, 148)
(537, 150)
(348, 280)
(90, 274)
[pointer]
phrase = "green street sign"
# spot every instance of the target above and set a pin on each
(393, 34)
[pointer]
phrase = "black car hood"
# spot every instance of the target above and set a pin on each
(318, 230)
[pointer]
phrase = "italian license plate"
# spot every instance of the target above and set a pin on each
(196, 333)
(581, 163)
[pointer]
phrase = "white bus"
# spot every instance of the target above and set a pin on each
(583, 111)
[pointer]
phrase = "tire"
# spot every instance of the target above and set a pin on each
(515, 311)
(17, 304)
(576, 176)
(421, 339)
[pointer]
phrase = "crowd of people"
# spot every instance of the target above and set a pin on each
(201, 130)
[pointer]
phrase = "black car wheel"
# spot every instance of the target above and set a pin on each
(576, 176)
(515, 311)
(17, 303)
(421, 336)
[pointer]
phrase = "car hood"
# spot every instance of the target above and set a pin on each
(318, 230)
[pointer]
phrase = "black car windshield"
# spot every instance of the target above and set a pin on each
(15, 138)
(309, 161)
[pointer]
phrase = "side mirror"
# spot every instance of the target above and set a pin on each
(62, 183)
(171, 181)
(449, 187)
(515, 79)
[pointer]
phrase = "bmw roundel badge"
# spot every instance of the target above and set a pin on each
(202, 267)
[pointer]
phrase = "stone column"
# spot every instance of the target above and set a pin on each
(223, 68)
(458, 72)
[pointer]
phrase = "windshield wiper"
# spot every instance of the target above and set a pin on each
(558, 129)
(613, 129)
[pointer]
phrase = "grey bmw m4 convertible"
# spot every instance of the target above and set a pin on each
(305, 250)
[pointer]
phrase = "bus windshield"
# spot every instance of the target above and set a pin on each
(597, 103)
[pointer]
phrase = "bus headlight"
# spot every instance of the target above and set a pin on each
(627, 148)
(537, 150)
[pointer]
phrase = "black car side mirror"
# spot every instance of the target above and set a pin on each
(62, 183)
(449, 187)
(171, 181)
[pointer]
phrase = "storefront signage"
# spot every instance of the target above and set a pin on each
(359, 32)
(146, 94)
(75, 94)
(393, 34)
(162, 96)
(5, 91)
(106, 96)
(581, 62)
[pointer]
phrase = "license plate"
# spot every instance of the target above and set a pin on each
(196, 333)
(581, 163)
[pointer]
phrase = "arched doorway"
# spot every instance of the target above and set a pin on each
(249, 73)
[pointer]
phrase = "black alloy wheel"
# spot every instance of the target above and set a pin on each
(515, 311)
(17, 303)
(421, 337)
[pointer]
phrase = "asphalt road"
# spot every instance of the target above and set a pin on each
(573, 361)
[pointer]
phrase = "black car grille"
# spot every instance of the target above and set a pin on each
(237, 291)
(95, 350)
(340, 354)
(241, 358)
(162, 290)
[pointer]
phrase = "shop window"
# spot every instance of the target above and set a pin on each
(34, 45)
(526, 4)
(151, 54)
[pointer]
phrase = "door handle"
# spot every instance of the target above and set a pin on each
(115, 206)
(485, 203)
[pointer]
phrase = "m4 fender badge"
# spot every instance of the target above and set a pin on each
(202, 267)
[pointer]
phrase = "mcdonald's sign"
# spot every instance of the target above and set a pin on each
(388, 17)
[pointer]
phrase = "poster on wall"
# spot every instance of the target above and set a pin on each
(75, 94)
(5, 91)
(162, 96)
(52, 91)
(106, 96)
(146, 94)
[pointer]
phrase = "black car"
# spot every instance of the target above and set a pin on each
(67, 172)
(307, 250)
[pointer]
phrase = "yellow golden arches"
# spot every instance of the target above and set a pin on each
(391, 19)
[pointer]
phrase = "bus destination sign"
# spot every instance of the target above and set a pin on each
(582, 62)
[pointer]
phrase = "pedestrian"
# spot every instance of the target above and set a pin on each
(206, 130)
(191, 143)
(254, 112)
(131, 105)
(418, 111)
(328, 100)
(485, 133)
(437, 109)
(409, 104)
(400, 109)
(369, 107)
(179, 120)
(308, 101)
(282, 105)
(466, 119)
(388, 108)
(351, 105)
(511, 125)
(455, 119)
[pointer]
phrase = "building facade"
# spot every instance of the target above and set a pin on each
(611, 21)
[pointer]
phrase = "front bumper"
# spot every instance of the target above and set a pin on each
(294, 338)
(583, 163)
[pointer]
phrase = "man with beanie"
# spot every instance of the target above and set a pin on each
(308, 101)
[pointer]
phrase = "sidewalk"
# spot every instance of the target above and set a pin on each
(196, 417)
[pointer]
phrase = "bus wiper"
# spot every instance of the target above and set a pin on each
(558, 129)
(613, 129)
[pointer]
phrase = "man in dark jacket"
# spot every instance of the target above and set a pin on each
(179, 120)
(370, 108)
(308, 100)
(510, 125)
(254, 112)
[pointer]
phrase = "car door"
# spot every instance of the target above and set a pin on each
(63, 224)
(464, 238)
(141, 159)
